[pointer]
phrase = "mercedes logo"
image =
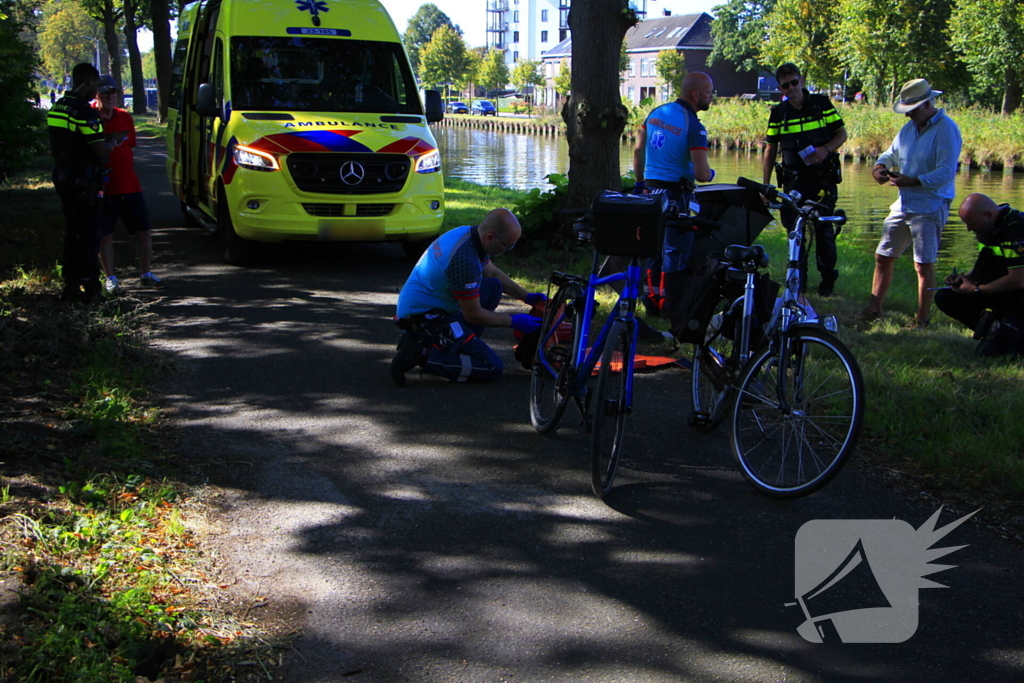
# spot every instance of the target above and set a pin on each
(352, 173)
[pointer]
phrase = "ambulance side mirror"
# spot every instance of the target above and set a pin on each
(435, 108)
(206, 105)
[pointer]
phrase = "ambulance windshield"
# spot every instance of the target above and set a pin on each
(320, 75)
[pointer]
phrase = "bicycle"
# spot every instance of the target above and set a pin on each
(567, 354)
(795, 390)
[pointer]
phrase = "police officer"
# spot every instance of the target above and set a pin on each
(808, 130)
(79, 148)
(990, 298)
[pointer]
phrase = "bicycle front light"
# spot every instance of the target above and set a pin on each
(831, 324)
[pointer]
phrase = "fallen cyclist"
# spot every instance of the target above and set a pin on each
(451, 296)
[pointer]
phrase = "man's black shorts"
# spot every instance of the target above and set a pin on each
(130, 208)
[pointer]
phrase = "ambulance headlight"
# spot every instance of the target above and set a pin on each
(255, 160)
(429, 162)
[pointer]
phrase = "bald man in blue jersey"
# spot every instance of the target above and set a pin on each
(450, 298)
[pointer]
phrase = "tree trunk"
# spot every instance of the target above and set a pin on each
(1012, 92)
(594, 114)
(162, 53)
(110, 18)
(131, 38)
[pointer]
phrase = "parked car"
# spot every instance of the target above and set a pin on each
(484, 108)
(458, 107)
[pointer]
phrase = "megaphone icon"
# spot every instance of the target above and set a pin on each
(851, 586)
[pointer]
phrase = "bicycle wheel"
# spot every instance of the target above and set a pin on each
(550, 375)
(710, 374)
(794, 429)
(610, 408)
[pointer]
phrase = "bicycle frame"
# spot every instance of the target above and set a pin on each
(583, 361)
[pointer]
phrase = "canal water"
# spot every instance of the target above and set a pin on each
(522, 161)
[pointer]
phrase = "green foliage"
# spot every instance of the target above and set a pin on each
(538, 213)
(421, 28)
(800, 31)
(493, 73)
(525, 74)
(21, 136)
(671, 68)
(66, 37)
(887, 44)
(989, 34)
(444, 60)
(738, 31)
(563, 81)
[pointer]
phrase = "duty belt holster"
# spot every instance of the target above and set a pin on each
(433, 327)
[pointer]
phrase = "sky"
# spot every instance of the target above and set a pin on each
(471, 17)
(473, 21)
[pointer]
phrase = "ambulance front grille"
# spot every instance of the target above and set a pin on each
(338, 210)
(349, 173)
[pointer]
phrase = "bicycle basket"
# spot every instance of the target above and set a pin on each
(629, 225)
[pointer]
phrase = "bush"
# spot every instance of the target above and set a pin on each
(538, 214)
(21, 136)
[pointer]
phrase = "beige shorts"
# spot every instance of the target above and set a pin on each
(923, 229)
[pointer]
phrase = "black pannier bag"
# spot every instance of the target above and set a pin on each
(690, 300)
(629, 225)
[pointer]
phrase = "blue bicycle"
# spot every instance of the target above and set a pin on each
(567, 354)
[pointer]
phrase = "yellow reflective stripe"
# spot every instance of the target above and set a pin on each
(800, 126)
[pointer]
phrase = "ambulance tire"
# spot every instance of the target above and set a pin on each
(237, 251)
(413, 249)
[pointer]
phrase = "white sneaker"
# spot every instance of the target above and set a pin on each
(112, 285)
(152, 281)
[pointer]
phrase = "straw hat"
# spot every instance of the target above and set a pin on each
(913, 95)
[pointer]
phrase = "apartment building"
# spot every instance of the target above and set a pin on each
(526, 29)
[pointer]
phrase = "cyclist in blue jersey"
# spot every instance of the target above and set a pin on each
(671, 154)
(451, 296)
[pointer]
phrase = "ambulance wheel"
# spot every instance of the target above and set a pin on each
(237, 251)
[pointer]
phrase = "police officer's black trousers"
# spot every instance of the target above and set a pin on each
(825, 255)
(80, 262)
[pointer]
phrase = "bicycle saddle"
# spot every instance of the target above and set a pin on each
(737, 253)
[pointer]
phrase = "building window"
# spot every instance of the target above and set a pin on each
(648, 92)
(515, 17)
(562, 35)
(515, 36)
(645, 67)
(515, 56)
(543, 36)
(629, 68)
(543, 15)
(630, 92)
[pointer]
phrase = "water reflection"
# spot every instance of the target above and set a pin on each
(522, 161)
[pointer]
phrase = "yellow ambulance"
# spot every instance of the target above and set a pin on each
(301, 120)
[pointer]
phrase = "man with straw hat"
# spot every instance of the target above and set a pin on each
(922, 163)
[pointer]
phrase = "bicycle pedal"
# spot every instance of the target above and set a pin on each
(698, 418)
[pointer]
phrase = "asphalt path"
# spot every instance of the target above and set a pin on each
(429, 534)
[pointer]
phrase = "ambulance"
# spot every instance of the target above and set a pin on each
(301, 120)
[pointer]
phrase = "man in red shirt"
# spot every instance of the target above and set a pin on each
(124, 198)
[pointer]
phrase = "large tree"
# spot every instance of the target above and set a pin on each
(990, 36)
(444, 60)
(886, 44)
(132, 23)
(738, 31)
(493, 73)
(594, 114)
(66, 37)
(800, 31)
(421, 28)
(109, 14)
(160, 24)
